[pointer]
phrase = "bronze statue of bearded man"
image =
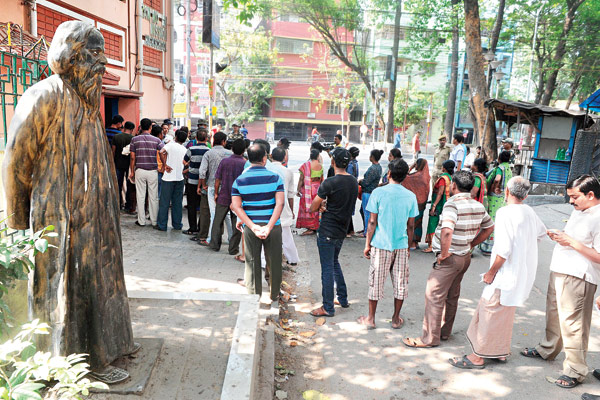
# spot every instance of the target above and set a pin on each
(58, 171)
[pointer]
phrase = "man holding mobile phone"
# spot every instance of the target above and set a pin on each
(575, 273)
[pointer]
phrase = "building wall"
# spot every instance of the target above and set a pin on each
(116, 21)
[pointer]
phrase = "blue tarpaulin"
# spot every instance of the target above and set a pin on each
(592, 103)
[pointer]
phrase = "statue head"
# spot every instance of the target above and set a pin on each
(77, 55)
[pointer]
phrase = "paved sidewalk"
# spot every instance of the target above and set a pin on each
(345, 361)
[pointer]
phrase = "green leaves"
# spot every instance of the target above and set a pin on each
(25, 372)
(16, 261)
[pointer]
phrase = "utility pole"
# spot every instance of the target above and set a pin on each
(389, 126)
(188, 73)
(537, 19)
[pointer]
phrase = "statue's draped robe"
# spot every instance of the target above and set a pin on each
(58, 170)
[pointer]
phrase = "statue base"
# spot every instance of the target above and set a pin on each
(139, 366)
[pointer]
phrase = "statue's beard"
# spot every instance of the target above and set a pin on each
(87, 82)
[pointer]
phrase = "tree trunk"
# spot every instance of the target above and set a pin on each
(477, 80)
(451, 105)
(495, 36)
(389, 129)
(561, 49)
(574, 87)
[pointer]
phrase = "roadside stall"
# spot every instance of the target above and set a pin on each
(551, 136)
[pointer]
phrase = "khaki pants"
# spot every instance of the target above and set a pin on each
(569, 306)
(145, 179)
(441, 298)
(252, 249)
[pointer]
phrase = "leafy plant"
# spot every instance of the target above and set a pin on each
(15, 263)
(25, 373)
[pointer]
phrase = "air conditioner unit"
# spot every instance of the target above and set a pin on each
(311, 115)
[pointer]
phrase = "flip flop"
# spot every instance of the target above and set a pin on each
(416, 343)
(320, 312)
(240, 258)
(307, 233)
(531, 352)
(427, 250)
(464, 363)
(570, 382)
(362, 320)
(399, 325)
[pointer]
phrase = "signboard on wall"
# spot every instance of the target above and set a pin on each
(211, 23)
(157, 39)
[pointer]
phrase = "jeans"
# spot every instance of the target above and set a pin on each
(171, 195)
(367, 215)
(212, 204)
(160, 175)
(329, 251)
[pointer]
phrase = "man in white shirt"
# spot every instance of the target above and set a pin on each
(459, 152)
(172, 183)
(509, 280)
(280, 157)
(575, 273)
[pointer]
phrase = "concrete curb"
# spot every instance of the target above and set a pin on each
(242, 364)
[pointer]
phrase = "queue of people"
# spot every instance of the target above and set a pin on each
(471, 206)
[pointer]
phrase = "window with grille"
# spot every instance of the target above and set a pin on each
(288, 104)
(333, 107)
(153, 58)
(294, 46)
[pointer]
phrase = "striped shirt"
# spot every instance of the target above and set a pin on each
(257, 187)
(194, 157)
(465, 217)
(145, 147)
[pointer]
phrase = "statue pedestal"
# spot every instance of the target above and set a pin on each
(139, 366)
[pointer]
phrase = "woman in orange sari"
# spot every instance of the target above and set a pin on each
(441, 193)
(418, 183)
(311, 176)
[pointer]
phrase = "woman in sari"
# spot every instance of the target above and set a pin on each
(479, 168)
(394, 154)
(311, 176)
(496, 184)
(441, 193)
(418, 183)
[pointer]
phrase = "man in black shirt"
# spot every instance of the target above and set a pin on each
(337, 198)
(119, 142)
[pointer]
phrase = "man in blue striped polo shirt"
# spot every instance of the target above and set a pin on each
(257, 198)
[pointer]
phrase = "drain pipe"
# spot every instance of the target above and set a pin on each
(140, 55)
(33, 17)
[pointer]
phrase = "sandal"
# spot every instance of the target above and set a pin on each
(337, 303)
(416, 343)
(320, 312)
(202, 242)
(531, 352)
(427, 250)
(464, 363)
(570, 382)
(362, 320)
(240, 258)
(189, 232)
(307, 232)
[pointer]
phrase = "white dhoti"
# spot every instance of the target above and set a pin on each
(490, 331)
